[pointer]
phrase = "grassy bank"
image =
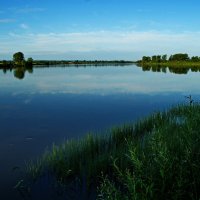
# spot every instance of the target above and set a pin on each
(156, 158)
(164, 162)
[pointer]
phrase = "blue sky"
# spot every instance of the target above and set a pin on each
(98, 29)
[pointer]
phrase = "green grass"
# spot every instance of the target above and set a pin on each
(164, 163)
(156, 158)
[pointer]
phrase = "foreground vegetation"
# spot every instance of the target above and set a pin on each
(156, 158)
(164, 162)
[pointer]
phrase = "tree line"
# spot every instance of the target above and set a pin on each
(179, 57)
(19, 61)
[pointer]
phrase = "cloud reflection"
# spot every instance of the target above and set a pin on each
(104, 81)
(99, 81)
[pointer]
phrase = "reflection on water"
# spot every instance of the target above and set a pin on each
(171, 69)
(18, 72)
(99, 80)
(52, 104)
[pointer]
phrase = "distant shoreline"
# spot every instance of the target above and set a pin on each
(97, 62)
(9, 64)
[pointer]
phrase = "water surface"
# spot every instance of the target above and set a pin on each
(47, 105)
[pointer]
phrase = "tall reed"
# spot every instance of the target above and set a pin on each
(164, 164)
(155, 158)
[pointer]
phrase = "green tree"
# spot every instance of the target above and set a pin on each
(4, 63)
(18, 58)
(164, 57)
(158, 58)
(170, 58)
(195, 59)
(154, 58)
(180, 57)
(146, 59)
(29, 62)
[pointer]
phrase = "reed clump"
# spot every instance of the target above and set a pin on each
(155, 158)
(164, 162)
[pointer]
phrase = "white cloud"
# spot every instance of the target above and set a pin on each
(29, 10)
(143, 10)
(7, 20)
(24, 26)
(148, 42)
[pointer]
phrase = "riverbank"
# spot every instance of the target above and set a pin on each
(155, 158)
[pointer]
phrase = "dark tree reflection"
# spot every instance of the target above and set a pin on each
(170, 69)
(20, 72)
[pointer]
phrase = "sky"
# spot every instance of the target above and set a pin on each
(98, 29)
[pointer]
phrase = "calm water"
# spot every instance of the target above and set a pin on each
(48, 105)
